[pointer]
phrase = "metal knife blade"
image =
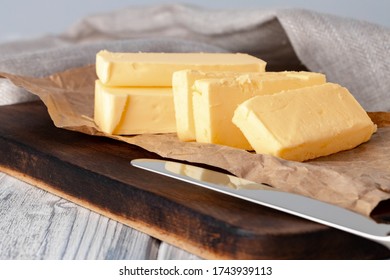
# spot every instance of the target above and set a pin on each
(298, 205)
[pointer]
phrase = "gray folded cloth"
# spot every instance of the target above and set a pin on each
(353, 53)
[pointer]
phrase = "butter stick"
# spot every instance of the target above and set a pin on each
(214, 102)
(156, 69)
(305, 123)
(182, 87)
(134, 110)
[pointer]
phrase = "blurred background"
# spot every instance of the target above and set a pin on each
(26, 19)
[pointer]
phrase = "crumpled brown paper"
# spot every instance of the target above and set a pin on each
(357, 179)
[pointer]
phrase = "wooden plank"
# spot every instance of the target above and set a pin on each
(38, 225)
(95, 173)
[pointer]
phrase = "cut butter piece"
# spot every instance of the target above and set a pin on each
(182, 87)
(134, 110)
(156, 69)
(214, 102)
(304, 124)
(203, 174)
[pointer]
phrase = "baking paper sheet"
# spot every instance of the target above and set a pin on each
(357, 179)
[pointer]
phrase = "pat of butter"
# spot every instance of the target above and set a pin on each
(182, 87)
(214, 102)
(134, 110)
(156, 69)
(305, 123)
(202, 174)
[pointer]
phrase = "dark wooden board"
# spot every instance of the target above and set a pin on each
(95, 172)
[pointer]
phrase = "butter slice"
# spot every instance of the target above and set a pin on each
(202, 174)
(182, 87)
(132, 110)
(156, 69)
(304, 124)
(214, 102)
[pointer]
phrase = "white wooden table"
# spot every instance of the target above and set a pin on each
(37, 225)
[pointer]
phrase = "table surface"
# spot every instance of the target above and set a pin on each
(37, 225)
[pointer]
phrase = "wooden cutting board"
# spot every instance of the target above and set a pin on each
(95, 172)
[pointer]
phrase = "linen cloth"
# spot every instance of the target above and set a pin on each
(350, 52)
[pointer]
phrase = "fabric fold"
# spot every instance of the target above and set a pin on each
(350, 52)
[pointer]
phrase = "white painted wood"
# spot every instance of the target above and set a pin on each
(169, 252)
(35, 224)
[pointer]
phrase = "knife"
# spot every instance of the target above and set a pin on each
(298, 205)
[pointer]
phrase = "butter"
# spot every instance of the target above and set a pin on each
(134, 110)
(214, 102)
(156, 69)
(305, 123)
(182, 86)
(202, 174)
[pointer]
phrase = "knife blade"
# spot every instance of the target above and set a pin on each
(298, 205)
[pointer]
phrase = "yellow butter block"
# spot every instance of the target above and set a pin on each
(156, 69)
(134, 110)
(214, 102)
(305, 123)
(182, 87)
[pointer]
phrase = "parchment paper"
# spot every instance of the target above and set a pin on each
(357, 179)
